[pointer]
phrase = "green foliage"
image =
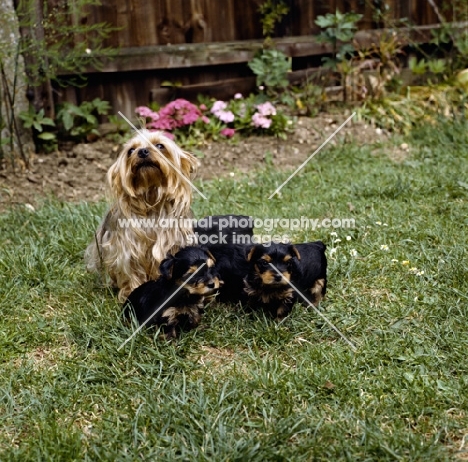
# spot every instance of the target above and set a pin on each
(80, 121)
(422, 66)
(271, 68)
(421, 105)
(308, 99)
(272, 12)
(61, 44)
(38, 122)
(338, 28)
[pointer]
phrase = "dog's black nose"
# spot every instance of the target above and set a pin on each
(143, 153)
(211, 285)
(278, 277)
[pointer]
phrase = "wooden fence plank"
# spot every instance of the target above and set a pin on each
(211, 54)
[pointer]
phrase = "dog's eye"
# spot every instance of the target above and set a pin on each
(160, 146)
(130, 151)
(263, 263)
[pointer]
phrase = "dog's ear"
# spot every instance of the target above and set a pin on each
(166, 267)
(255, 252)
(294, 252)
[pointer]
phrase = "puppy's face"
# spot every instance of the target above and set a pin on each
(192, 268)
(151, 161)
(263, 261)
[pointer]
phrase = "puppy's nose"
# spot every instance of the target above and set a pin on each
(278, 277)
(211, 285)
(143, 153)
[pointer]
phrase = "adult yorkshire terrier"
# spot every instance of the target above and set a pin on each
(149, 181)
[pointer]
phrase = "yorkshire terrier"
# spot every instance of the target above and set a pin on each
(149, 182)
(274, 269)
(175, 300)
(231, 267)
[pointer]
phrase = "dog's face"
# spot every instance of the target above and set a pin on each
(284, 257)
(152, 167)
(192, 268)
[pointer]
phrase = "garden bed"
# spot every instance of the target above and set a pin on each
(78, 172)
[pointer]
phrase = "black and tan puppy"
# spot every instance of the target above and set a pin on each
(175, 300)
(275, 269)
(231, 267)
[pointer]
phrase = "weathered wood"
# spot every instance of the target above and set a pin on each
(211, 54)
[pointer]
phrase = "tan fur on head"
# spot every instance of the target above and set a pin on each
(147, 181)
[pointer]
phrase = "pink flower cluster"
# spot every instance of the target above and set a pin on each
(260, 119)
(228, 132)
(218, 109)
(176, 114)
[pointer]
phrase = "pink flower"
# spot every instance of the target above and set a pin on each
(203, 107)
(177, 113)
(266, 109)
(225, 116)
(218, 106)
(227, 132)
(238, 96)
(205, 119)
(260, 121)
(144, 111)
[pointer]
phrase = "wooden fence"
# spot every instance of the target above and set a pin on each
(205, 45)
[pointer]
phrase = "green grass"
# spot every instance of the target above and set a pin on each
(242, 387)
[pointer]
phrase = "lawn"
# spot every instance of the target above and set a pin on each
(243, 387)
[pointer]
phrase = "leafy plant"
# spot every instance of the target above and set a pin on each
(78, 122)
(37, 121)
(339, 30)
(271, 68)
(55, 40)
(374, 70)
(272, 12)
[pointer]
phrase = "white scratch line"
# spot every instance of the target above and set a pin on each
(313, 154)
(159, 309)
(316, 310)
(169, 162)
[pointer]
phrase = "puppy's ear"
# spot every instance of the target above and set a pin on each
(166, 267)
(255, 252)
(294, 252)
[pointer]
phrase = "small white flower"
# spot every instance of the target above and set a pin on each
(261, 88)
(419, 273)
(333, 234)
(379, 223)
(348, 238)
(384, 247)
(88, 51)
(353, 252)
(394, 260)
(333, 251)
(238, 96)
(30, 207)
(385, 224)
(413, 270)
(337, 240)
(405, 262)
(231, 173)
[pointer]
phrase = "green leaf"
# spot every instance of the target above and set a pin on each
(47, 136)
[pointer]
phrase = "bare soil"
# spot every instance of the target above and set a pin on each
(78, 173)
